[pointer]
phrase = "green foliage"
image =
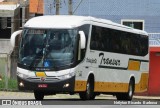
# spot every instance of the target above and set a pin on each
(12, 84)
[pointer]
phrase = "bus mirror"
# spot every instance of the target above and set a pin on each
(13, 37)
(82, 39)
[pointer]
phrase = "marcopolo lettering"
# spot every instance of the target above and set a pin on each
(91, 60)
(109, 61)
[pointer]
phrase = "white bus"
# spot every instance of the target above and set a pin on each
(78, 54)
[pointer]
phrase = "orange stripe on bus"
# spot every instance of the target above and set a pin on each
(141, 86)
(110, 87)
(80, 86)
(134, 65)
(143, 83)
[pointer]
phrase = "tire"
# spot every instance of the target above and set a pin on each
(38, 95)
(129, 95)
(89, 93)
(120, 96)
(131, 89)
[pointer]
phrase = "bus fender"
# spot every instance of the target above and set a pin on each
(89, 74)
(131, 76)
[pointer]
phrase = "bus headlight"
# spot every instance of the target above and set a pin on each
(64, 76)
(21, 84)
(67, 76)
(22, 75)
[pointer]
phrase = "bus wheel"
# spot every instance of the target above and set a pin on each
(89, 93)
(38, 95)
(129, 94)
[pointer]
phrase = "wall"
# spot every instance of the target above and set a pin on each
(154, 80)
(5, 46)
(115, 10)
(36, 6)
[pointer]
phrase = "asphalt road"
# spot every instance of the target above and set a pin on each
(77, 103)
(65, 99)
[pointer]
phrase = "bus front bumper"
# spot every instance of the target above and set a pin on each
(66, 85)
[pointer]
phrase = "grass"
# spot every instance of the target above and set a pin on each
(12, 84)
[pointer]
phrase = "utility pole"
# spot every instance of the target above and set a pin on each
(57, 6)
(70, 7)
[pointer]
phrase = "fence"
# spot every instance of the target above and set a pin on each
(7, 79)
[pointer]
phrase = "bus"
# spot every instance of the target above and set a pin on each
(81, 55)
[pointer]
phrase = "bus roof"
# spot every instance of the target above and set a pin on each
(72, 21)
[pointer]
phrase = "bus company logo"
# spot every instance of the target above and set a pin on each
(43, 79)
(109, 61)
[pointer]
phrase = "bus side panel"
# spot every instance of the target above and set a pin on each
(111, 78)
(110, 87)
(143, 83)
(141, 86)
(80, 85)
(81, 76)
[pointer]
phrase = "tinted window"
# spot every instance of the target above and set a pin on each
(106, 39)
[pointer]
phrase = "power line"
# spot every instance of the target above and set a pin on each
(77, 6)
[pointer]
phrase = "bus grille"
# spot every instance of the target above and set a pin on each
(46, 79)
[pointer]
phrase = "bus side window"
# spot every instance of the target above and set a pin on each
(93, 44)
(97, 40)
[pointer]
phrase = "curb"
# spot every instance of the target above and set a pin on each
(147, 97)
(11, 90)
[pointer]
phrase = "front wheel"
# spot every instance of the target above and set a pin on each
(38, 95)
(89, 93)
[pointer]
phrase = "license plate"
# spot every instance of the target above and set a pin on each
(42, 85)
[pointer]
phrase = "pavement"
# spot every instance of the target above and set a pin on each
(147, 97)
(29, 95)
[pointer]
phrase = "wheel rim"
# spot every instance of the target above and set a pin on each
(130, 90)
(88, 89)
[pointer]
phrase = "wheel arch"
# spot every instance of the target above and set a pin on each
(132, 77)
(90, 75)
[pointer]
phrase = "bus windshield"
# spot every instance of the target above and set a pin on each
(47, 48)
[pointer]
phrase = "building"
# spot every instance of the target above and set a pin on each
(141, 14)
(13, 15)
(36, 7)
